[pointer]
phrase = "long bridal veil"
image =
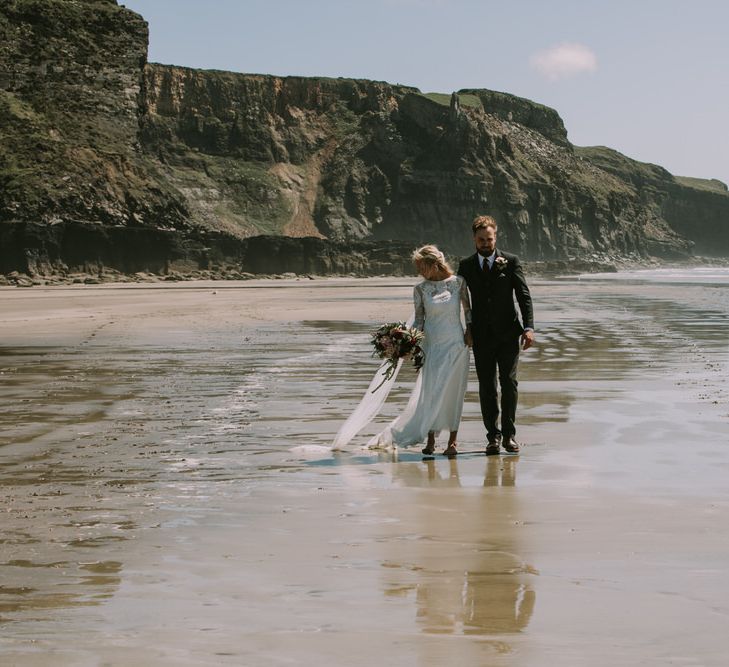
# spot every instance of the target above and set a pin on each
(370, 406)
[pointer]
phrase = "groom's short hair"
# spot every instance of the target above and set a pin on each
(482, 222)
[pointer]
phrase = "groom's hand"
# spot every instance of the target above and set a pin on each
(527, 338)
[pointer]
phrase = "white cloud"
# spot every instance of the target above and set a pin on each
(564, 60)
(417, 3)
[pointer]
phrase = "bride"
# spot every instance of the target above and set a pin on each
(437, 400)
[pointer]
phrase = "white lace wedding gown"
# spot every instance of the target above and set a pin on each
(437, 400)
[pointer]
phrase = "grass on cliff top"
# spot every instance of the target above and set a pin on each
(488, 97)
(72, 22)
(463, 100)
(708, 185)
(628, 169)
(625, 167)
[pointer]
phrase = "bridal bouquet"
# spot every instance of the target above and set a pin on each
(395, 341)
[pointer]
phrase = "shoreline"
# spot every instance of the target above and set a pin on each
(538, 269)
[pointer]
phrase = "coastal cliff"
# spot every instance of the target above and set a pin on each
(110, 161)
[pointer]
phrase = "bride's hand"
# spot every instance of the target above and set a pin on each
(468, 338)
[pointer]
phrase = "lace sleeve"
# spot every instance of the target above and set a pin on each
(419, 322)
(465, 299)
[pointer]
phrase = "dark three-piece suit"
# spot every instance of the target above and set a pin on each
(496, 330)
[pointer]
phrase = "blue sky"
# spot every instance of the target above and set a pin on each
(649, 78)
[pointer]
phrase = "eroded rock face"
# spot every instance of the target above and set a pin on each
(700, 215)
(698, 209)
(102, 150)
(515, 109)
(71, 77)
(350, 160)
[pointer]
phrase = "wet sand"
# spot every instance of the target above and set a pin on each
(170, 498)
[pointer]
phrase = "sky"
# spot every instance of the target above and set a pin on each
(649, 78)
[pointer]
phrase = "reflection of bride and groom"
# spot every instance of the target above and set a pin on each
(469, 578)
(483, 292)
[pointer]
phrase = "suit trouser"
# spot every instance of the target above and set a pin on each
(502, 355)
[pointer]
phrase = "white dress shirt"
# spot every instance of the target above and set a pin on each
(490, 259)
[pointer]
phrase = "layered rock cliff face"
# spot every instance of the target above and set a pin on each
(356, 159)
(108, 160)
(698, 209)
(71, 76)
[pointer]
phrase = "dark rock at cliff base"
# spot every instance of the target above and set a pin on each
(108, 161)
(84, 249)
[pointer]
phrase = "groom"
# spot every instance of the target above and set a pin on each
(494, 278)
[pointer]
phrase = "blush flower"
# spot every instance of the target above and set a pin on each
(394, 341)
(501, 263)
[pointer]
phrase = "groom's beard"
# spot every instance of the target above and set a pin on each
(485, 255)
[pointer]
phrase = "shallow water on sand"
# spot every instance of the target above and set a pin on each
(170, 496)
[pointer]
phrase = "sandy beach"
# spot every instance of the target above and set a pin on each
(170, 496)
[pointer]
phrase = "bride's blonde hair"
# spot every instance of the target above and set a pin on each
(429, 254)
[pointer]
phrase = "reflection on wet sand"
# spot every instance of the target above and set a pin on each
(197, 428)
(469, 578)
(55, 585)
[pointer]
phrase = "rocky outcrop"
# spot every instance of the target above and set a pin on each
(697, 209)
(700, 214)
(71, 75)
(108, 159)
(515, 109)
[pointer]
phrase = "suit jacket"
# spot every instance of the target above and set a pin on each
(492, 297)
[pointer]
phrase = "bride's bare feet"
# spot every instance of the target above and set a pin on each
(428, 450)
(450, 451)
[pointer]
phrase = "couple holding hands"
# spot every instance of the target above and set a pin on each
(484, 289)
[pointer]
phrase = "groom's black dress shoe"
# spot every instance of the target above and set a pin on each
(493, 443)
(511, 445)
